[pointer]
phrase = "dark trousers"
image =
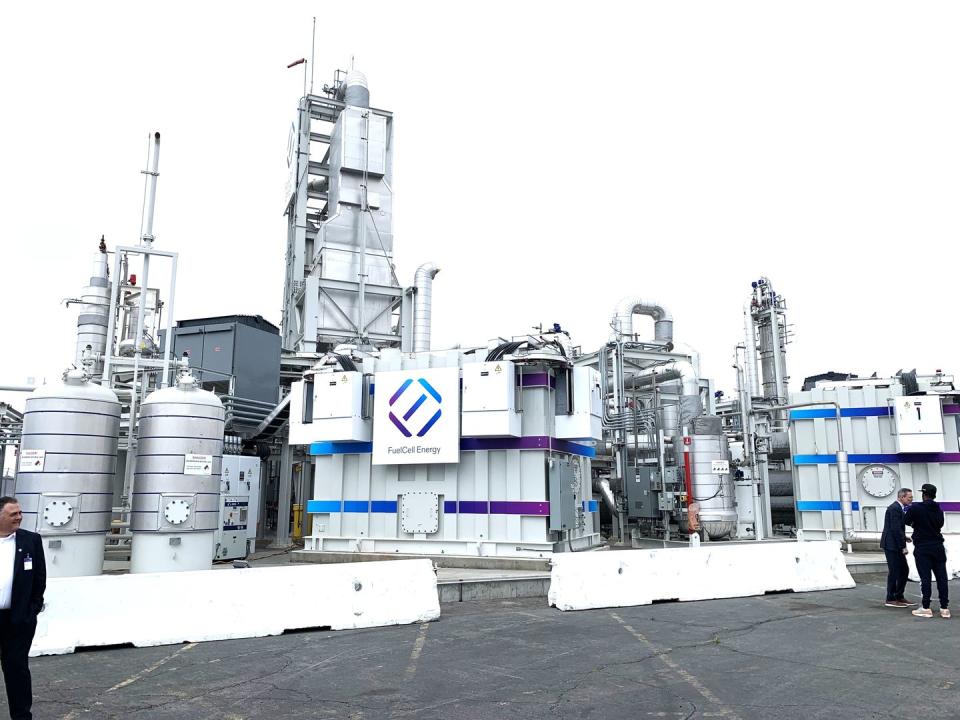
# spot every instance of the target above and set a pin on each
(15, 641)
(897, 572)
(932, 558)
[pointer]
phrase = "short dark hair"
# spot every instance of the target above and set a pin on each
(6, 500)
(929, 490)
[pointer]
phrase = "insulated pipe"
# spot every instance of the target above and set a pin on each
(750, 361)
(681, 370)
(628, 307)
(423, 282)
(603, 487)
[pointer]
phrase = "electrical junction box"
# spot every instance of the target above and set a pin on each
(239, 507)
(488, 406)
(329, 408)
(584, 420)
(563, 485)
(918, 420)
(641, 489)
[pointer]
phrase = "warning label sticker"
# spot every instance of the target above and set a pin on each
(31, 460)
(197, 464)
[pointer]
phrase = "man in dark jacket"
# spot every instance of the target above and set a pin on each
(893, 541)
(926, 519)
(23, 578)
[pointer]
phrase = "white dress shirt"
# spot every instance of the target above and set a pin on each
(8, 556)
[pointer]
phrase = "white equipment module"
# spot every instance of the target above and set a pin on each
(239, 501)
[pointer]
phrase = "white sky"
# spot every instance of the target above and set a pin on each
(551, 158)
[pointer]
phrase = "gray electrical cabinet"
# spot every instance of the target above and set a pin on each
(563, 494)
(641, 488)
(232, 355)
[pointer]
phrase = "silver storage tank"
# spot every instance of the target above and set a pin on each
(68, 459)
(712, 482)
(176, 488)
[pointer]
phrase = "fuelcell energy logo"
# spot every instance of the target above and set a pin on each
(408, 417)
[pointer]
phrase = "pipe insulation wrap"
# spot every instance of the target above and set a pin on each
(423, 282)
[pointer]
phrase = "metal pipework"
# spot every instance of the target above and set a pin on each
(423, 282)
(602, 486)
(750, 359)
(628, 307)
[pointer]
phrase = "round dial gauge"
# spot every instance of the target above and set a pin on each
(879, 480)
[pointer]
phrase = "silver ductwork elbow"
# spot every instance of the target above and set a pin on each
(602, 486)
(628, 307)
(423, 282)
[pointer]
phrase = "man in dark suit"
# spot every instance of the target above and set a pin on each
(23, 578)
(893, 540)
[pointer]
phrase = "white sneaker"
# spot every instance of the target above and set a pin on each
(923, 612)
(945, 613)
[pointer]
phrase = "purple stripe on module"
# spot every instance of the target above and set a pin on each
(950, 506)
(450, 506)
(538, 380)
(927, 457)
(951, 409)
(534, 442)
(501, 507)
(473, 507)
(573, 448)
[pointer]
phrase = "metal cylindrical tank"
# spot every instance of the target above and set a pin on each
(713, 488)
(68, 459)
(176, 488)
(94, 311)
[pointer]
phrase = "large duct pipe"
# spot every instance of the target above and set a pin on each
(423, 282)
(603, 487)
(355, 90)
(628, 307)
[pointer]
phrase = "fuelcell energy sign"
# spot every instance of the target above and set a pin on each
(416, 417)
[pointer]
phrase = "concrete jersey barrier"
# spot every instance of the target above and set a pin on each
(580, 581)
(164, 608)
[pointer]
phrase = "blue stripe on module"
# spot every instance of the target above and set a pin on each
(863, 459)
(351, 506)
(473, 507)
(591, 505)
(821, 505)
(323, 506)
(340, 448)
(829, 413)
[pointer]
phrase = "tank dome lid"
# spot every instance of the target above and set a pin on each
(76, 385)
(187, 390)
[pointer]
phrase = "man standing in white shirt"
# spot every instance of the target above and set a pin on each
(23, 579)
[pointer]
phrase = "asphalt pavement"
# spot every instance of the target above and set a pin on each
(836, 654)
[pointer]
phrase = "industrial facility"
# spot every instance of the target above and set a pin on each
(172, 445)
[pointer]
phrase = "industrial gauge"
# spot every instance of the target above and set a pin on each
(879, 480)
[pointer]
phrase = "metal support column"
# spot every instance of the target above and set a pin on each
(283, 496)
